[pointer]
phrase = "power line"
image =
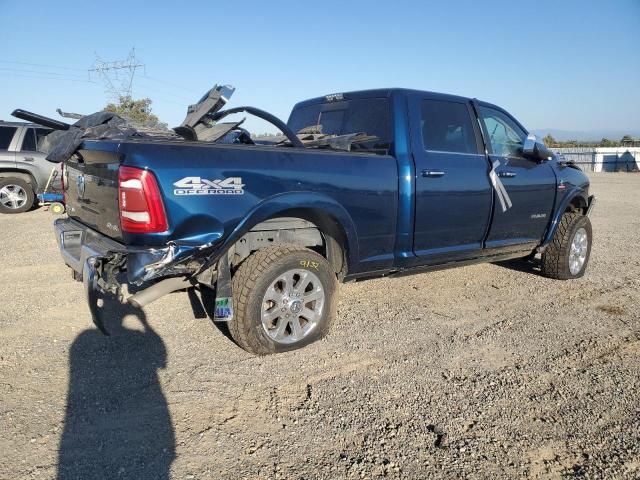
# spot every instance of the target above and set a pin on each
(163, 91)
(42, 65)
(51, 78)
(61, 67)
(158, 99)
(42, 72)
(171, 84)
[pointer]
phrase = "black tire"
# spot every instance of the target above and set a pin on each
(75, 275)
(257, 274)
(17, 183)
(556, 257)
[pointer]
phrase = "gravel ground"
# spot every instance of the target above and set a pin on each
(488, 371)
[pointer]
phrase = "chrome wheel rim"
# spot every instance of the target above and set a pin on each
(292, 306)
(13, 196)
(578, 253)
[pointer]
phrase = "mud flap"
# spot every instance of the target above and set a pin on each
(224, 292)
(93, 293)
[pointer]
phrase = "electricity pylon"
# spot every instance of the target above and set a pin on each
(117, 75)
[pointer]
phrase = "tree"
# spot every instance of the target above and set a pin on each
(549, 141)
(136, 111)
(605, 142)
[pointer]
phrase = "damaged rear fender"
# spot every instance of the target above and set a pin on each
(323, 211)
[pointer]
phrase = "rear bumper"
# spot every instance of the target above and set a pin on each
(97, 261)
(78, 243)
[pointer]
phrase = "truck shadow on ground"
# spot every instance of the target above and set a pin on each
(117, 422)
(522, 265)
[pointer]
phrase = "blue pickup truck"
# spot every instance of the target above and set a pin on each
(423, 181)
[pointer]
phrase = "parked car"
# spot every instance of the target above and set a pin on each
(423, 181)
(24, 172)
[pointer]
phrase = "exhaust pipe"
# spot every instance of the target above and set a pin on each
(160, 289)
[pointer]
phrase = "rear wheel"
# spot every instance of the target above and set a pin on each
(567, 255)
(16, 195)
(284, 299)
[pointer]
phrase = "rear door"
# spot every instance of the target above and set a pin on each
(520, 218)
(453, 193)
(30, 158)
(8, 146)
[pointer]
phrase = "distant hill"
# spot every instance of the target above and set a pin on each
(587, 136)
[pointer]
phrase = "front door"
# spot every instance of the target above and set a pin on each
(453, 193)
(521, 216)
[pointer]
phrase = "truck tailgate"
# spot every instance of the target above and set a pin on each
(91, 190)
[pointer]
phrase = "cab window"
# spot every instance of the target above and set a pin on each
(29, 141)
(6, 135)
(447, 127)
(33, 139)
(505, 136)
(366, 115)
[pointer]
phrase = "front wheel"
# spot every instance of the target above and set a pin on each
(16, 195)
(285, 299)
(567, 255)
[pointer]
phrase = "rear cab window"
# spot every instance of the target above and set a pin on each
(447, 126)
(364, 115)
(6, 135)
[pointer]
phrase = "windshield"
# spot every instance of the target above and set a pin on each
(370, 115)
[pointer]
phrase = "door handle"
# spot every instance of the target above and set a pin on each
(432, 173)
(507, 174)
(29, 159)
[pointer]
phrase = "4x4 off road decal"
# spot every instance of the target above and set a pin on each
(501, 192)
(202, 186)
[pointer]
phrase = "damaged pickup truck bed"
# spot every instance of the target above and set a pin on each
(363, 184)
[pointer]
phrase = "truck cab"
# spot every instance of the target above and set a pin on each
(467, 186)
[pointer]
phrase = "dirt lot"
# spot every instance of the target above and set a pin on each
(488, 371)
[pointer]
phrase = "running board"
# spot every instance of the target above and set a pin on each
(461, 263)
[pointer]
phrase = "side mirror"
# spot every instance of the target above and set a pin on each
(535, 149)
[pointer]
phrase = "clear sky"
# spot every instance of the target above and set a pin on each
(564, 64)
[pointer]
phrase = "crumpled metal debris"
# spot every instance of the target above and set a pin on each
(76, 116)
(202, 123)
(312, 136)
(217, 131)
(196, 122)
(338, 142)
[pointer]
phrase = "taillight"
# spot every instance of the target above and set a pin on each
(139, 201)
